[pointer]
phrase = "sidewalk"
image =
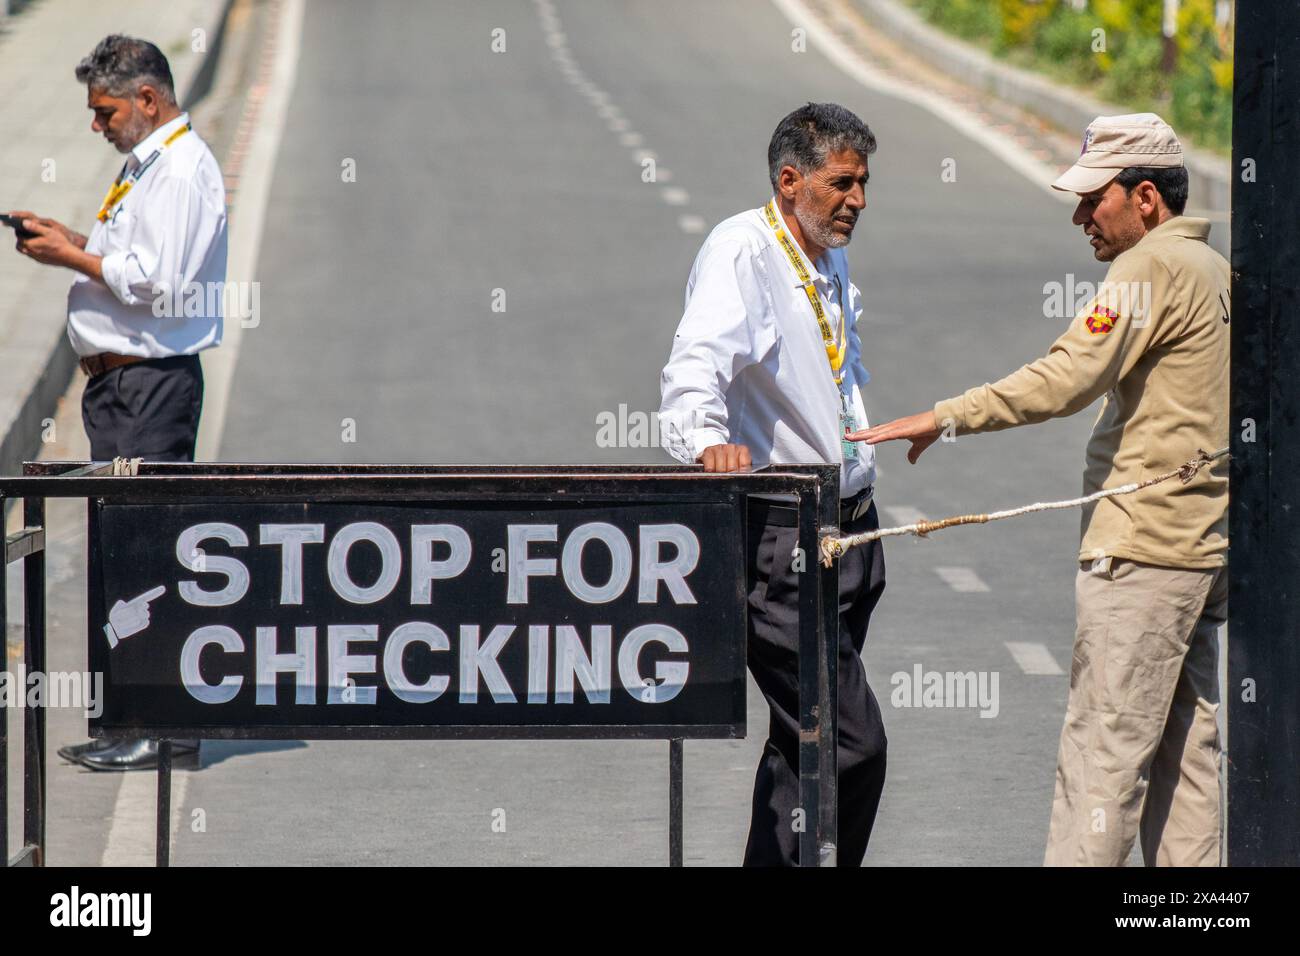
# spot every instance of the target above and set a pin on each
(55, 166)
(86, 805)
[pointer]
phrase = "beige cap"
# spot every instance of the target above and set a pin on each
(1112, 143)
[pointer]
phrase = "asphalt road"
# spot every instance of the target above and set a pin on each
(483, 176)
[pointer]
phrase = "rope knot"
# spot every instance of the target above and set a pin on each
(1188, 471)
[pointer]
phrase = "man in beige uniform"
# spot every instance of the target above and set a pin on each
(1140, 751)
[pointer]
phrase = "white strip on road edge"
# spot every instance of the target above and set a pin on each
(131, 834)
(250, 213)
(962, 579)
(961, 119)
(1034, 658)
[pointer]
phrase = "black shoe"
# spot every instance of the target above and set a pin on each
(74, 752)
(134, 755)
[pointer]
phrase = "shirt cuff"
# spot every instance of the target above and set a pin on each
(704, 438)
(113, 268)
(950, 410)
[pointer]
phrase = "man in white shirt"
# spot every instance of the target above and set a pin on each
(159, 242)
(766, 368)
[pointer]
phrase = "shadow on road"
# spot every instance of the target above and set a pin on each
(215, 751)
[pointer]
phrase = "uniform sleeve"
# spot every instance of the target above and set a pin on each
(174, 234)
(1102, 344)
(727, 326)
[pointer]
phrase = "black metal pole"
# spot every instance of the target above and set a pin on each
(810, 681)
(1263, 696)
(675, 772)
(34, 660)
(163, 837)
(828, 637)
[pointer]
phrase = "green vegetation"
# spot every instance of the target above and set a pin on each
(1115, 49)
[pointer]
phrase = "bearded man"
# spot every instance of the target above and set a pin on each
(766, 368)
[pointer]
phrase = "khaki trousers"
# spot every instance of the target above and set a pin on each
(1140, 749)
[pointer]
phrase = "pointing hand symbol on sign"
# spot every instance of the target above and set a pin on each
(130, 617)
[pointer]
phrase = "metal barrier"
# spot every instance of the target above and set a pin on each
(700, 517)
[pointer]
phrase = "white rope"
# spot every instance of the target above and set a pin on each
(832, 547)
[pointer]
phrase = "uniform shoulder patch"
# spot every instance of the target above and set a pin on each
(1101, 320)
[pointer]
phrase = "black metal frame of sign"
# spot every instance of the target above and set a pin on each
(641, 635)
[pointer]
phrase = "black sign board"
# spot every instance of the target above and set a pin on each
(406, 619)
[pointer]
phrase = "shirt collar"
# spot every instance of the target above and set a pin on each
(1187, 227)
(827, 278)
(155, 139)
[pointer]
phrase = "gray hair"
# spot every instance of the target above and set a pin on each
(808, 135)
(121, 65)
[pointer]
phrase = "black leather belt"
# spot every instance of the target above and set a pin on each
(787, 516)
(94, 365)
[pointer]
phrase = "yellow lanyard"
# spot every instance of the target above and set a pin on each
(122, 185)
(837, 348)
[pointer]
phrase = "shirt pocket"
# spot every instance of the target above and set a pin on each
(118, 230)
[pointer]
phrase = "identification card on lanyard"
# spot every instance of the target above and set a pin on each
(837, 346)
(848, 423)
(124, 182)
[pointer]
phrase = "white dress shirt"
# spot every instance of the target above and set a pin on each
(163, 241)
(748, 363)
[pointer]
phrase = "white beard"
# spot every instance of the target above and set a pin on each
(135, 132)
(819, 232)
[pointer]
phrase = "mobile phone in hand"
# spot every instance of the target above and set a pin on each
(16, 224)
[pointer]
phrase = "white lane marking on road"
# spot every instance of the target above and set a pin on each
(1034, 658)
(614, 119)
(131, 835)
(961, 579)
(246, 232)
(961, 119)
(903, 514)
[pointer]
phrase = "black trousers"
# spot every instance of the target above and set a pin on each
(148, 410)
(774, 662)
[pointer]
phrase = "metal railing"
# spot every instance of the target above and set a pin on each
(815, 487)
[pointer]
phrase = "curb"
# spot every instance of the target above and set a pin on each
(23, 438)
(1210, 176)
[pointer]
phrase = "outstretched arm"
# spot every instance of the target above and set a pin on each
(920, 429)
(1101, 346)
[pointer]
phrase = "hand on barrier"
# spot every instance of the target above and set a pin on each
(130, 617)
(726, 458)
